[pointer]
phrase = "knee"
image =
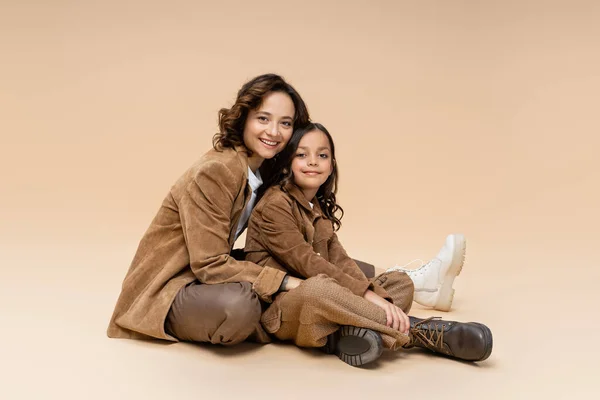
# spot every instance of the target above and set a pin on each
(403, 280)
(402, 289)
(241, 305)
(321, 288)
(240, 311)
(319, 282)
(220, 314)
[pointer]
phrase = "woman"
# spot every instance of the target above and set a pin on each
(165, 293)
(293, 229)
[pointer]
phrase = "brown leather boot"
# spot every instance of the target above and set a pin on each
(469, 341)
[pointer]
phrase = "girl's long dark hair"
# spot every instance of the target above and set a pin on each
(327, 191)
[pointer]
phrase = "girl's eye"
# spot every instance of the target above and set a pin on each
(324, 155)
(262, 118)
(300, 155)
(287, 123)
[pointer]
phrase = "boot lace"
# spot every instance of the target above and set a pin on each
(430, 337)
(403, 267)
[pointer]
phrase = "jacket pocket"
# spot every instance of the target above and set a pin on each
(271, 319)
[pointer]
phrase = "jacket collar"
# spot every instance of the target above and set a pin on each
(295, 192)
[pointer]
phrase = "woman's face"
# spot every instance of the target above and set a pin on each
(269, 128)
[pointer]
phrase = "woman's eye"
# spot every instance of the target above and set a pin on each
(262, 119)
(287, 124)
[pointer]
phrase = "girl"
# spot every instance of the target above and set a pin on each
(190, 239)
(292, 229)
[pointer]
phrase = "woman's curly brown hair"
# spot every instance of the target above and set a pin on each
(250, 97)
(327, 191)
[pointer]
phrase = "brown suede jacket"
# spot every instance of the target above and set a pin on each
(285, 233)
(190, 238)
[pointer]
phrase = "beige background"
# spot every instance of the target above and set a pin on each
(471, 116)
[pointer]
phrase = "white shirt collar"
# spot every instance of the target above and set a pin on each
(255, 181)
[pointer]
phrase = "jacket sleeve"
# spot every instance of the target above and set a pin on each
(339, 257)
(281, 237)
(205, 210)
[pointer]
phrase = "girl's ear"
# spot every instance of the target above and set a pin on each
(285, 171)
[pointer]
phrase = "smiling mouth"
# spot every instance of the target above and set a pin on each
(269, 143)
(311, 173)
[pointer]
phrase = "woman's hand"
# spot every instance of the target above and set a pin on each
(395, 317)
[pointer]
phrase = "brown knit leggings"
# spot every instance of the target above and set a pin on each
(319, 306)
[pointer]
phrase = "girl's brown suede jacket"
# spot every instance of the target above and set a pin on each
(286, 233)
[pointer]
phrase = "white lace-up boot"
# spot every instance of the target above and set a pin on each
(433, 280)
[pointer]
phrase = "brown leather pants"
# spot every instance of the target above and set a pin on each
(320, 305)
(227, 313)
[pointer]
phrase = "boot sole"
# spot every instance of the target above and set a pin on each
(358, 346)
(446, 292)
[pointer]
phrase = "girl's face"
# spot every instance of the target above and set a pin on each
(312, 163)
(269, 128)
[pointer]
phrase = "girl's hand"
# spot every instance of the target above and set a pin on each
(395, 317)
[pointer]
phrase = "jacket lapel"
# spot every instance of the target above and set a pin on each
(243, 197)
